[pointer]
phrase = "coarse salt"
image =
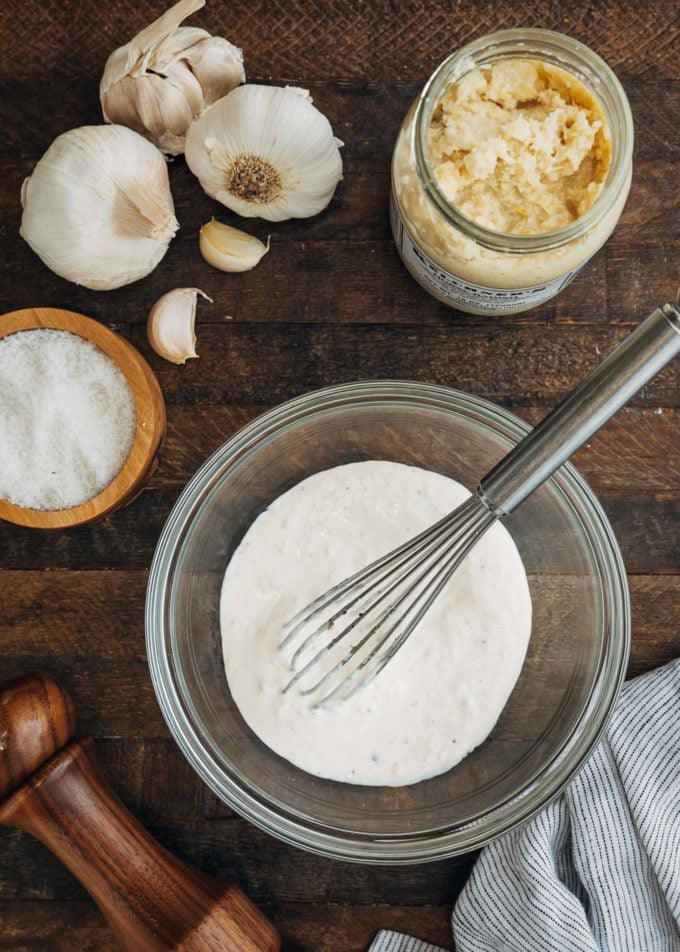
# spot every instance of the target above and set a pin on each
(67, 419)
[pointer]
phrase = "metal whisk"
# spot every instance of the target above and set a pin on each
(359, 625)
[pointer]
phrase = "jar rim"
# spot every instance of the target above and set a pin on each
(559, 50)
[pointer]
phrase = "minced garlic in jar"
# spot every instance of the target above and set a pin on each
(510, 171)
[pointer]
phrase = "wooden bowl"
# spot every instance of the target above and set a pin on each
(150, 427)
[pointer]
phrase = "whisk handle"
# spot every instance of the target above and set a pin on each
(631, 364)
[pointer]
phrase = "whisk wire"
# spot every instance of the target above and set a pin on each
(420, 603)
(365, 575)
(432, 556)
(368, 585)
(370, 578)
(440, 580)
(398, 583)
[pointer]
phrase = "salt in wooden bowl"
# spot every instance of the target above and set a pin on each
(150, 425)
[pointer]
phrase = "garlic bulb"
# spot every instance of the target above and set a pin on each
(98, 208)
(230, 249)
(170, 325)
(265, 151)
(168, 74)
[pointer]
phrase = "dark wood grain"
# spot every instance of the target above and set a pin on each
(59, 612)
(514, 365)
(37, 926)
(314, 39)
(644, 523)
(330, 303)
(110, 682)
(266, 870)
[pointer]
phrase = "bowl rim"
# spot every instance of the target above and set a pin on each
(343, 844)
(150, 424)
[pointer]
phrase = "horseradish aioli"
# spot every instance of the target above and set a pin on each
(440, 696)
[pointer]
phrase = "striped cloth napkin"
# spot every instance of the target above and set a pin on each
(599, 869)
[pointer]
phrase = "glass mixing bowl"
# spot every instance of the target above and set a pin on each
(573, 670)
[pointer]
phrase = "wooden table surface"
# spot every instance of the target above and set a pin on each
(330, 303)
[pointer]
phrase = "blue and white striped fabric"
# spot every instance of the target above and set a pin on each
(395, 942)
(599, 869)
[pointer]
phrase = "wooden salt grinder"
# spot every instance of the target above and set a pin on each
(51, 787)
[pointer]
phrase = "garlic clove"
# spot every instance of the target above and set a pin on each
(161, 110)
(265, 151)
(97, 208)
(180, 75)
(146, 49)
(230, 249)
(166, 75)
(217, 65)
(171, 322)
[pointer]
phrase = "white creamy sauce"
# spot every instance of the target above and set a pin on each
(442, 693)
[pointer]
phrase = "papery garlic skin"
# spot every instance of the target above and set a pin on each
(230, 249)
(97, 207)
(267, 152)
(171, 322)
(166, 75)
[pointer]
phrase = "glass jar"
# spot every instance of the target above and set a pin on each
(466, 265)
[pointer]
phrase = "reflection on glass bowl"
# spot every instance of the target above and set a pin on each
(574, 667)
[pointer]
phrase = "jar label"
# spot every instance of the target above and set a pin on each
(455, 291)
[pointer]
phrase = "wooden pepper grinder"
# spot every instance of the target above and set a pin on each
(52, 787)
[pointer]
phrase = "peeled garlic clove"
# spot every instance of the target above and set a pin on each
(98, 208)
(230, 249)
(170, 325)
(265, 151)
(168, 74)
